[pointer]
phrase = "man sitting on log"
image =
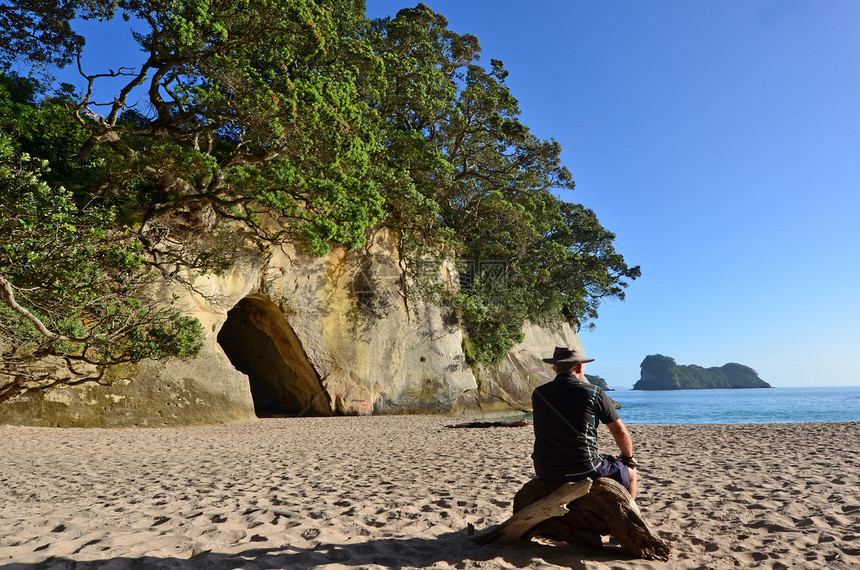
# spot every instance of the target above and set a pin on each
(566, 414)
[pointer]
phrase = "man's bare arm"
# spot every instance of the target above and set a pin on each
(622, 437)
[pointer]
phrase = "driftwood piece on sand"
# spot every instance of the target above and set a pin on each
(515, 423)
(606, 510)
(553, 505)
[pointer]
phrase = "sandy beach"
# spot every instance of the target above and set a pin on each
(400, 492)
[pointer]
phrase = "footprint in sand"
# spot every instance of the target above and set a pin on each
(311, 533)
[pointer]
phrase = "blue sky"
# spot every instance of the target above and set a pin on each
(720, 141)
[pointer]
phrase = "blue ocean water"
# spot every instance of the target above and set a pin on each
(768, 405)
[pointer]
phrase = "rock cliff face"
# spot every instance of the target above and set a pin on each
(290, 335)
(658, 372)
(509, 385)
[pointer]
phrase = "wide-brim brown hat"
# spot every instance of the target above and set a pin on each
(567, 354)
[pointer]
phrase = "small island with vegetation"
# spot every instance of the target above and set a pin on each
(660, 372)
(598, 381)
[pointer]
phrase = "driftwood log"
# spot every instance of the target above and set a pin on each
(514, 423)
(606, 509)
(553, 505)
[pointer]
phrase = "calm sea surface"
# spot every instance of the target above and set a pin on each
(769, 405)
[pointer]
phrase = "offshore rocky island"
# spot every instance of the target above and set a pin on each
(658, 372)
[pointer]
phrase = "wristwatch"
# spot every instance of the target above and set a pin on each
(628, 461)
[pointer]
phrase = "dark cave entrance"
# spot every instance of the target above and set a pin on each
(260, 343)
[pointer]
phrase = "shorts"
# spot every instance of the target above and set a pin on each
(614, 469)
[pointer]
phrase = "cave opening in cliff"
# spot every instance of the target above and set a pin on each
(260, 343)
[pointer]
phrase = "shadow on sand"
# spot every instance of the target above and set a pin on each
(454, 548)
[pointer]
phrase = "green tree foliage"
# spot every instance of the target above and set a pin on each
(251, 110)
(468, 180)
(40, 31)
(71, 287)
(302, 121)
